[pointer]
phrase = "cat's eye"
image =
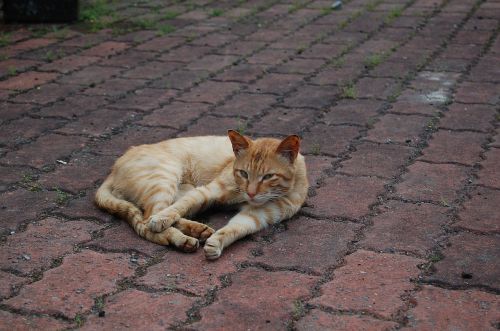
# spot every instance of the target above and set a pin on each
(243, 174)
(267, 176)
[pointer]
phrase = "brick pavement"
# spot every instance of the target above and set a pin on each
(397, 102)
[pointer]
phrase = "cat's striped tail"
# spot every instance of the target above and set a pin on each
(124, 209)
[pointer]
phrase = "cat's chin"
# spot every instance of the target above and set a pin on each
(256, 203)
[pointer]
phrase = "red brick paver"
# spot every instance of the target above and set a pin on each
(397, 106)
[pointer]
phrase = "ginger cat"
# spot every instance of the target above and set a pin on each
(155, 186)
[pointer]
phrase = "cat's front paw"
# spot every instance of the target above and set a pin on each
(162, 221)
(213, 248)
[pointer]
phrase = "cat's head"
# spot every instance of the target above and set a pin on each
(264, 168)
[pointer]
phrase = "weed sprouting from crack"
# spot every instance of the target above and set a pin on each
(216, 12)
(61, 197)
(348, 92)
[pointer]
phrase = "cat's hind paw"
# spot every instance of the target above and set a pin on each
(160, 222)
(213, 248)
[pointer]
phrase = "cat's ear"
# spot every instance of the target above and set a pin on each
(289, 148)
(239, 142)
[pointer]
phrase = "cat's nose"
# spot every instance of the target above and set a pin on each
(251, 195)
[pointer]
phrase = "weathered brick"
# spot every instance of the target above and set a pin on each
(216, 39)
(242, 72)
(128, 59)
(485, 71)
(299, 66)
(378, 88)
(106, 49)
(192, 273)
(68, 176)
(248, 105)
(133, 136)
(241, 48)
(16, 65)
(345, 196)
(176, 115)
(469, 259)
(145, 99)
(90, 75)
(22, 322)
(270, 295)
(321, 244)
(21, 205)
(331, 140)
(71, 288)
(74, 106)
(212, 63)
(45, 150)
(443, 309)
(115, 87)
(480, 212)
(318, 320)
(9, 282)
(413, 108)
(450, 146)
(371, 282)
(22, 252)
(98, 123)
(270, 56)
(9, 111)
(69, 63)
(122, 238)
(336, 76)
(27, 80)
(141, 311)
(180, 79)
(275, 83)
(185, 54)
(211, 125)
(312, 96)
(488, 175)
(398, 128)
(160, 44)
(316, 165)
(473, 92)
(375, 159)
(47, 93)
(352, 112)
(151, 70)
(85, 208)
(283, 121)
(210, 92)
(32, 127)
(321, 51)
(436, 182)
(27, 45)
(400, 226)
(468, 117)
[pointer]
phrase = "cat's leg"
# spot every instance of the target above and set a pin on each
(249, 220)
(161, 193)
(194, 229)
(189, 204)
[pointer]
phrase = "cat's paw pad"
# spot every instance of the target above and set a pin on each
(160, 222)
(190, 245)
(213, 248)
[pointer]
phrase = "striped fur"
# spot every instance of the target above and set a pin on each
(154, 187)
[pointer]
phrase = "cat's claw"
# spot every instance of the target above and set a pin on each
(213, 248)
(160, 222)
